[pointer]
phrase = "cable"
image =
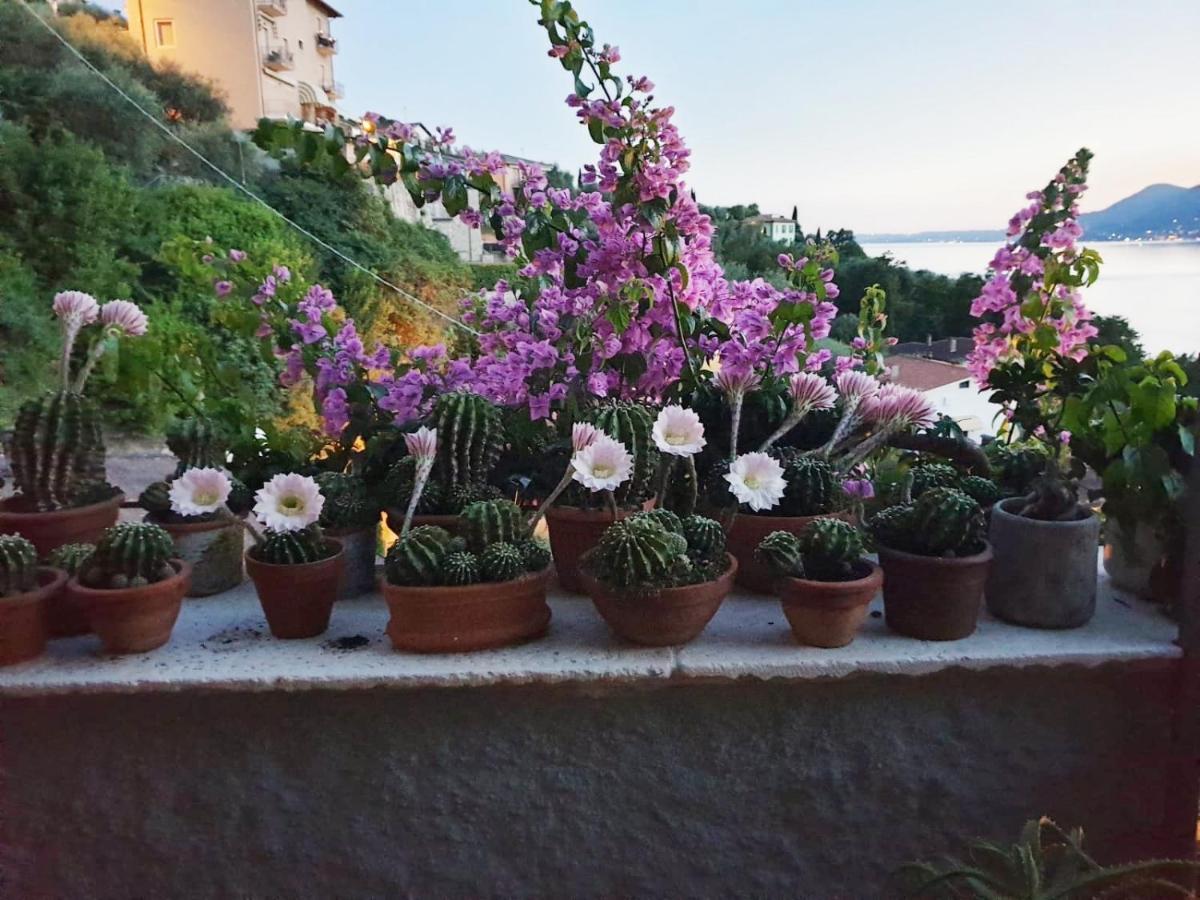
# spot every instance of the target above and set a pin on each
(233, 181)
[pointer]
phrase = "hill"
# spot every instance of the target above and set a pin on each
(1157, 211)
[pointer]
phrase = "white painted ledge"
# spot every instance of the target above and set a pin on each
(222, 643)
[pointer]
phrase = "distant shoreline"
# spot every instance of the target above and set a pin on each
(999, 236)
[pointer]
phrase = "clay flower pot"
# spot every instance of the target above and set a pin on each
(395, 521)
(471, 617)
(134, 619)
(22, 619)
(358, 559)
(214, 550)
(573, 532)
(50, 530)
(297, 600)
(661, 618)
(747, 533)
(1045, 572)
(64, 613)
(933, 598)
(828, 613)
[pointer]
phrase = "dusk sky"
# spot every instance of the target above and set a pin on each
(878, 116)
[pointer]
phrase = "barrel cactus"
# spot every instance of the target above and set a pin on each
(1016, 467)
(18, 565)
(892, 527)
(813, 486)
(292, 548)
(459, 497)
(348, 502)
(639, 553)
(501, 562)
(664, 517)
(196, 444)
(632, 424)
(779, 551)
(831, 549)
(71, 558)
(982, 490)
(947, 522)
(156, 499)
(130, 554)
(470, 437)
(535, 554)
(932, 475)
(705, 540)
(397, 487)
(56, 451)
(460, 569)
(489, 522)
(416, 558)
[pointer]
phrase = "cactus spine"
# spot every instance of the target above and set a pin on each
(71, 558)
(663, 517)
(501, 562)
(57, 451)
(197, 444)
(812, 485)
(470, 437)
(130, 554)
(488, 522)
(632, 424)
(830, 548)
(780, 552)
(292, 548)
(416, 558)
(460, 568)
(945, 521)
(18, 565)
(705, 540)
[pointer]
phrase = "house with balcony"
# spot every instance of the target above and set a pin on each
(271, 58)
(777, 228)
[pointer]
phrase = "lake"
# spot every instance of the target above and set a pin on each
(1156, 286)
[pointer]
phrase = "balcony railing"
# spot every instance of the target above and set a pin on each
(278, 58)
(333, 89)
(326, 44)
(272, 8)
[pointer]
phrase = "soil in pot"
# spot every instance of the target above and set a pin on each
(213, 548)
(662, 618)
(573, 532)
(297, 600)
(22, 618)
(50, 530)
(470, 617)
(359, 546)
(829, 613)
(933, 598)
(746, 534)
(1045, 572)
(134, 619)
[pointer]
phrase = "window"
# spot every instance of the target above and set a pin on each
(164, 32)
(964, 384)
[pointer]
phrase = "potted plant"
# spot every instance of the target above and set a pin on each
(24, 587)
(64, 616)
(131, 588)
(56, 448)
(657, 579)
(350, 515)
(935, 562)
(1032, 352)
(295, 568)
(822, 579)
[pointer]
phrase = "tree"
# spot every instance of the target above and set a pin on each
(1117, 330)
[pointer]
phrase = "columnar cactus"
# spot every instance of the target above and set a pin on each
(632, 424)
(831, 548)
(470, 437)
(812, 485)
(489, 522)
(947, 522)
(71, 558)
(292, 548)
(501, 562)
(932, 475)
(348, 503)
(779, 551)
(460, 568)
(639, 553)
(18, 565)
(197, 444)
(982, 490)
(130, 554)
(416, 558)
(56, 450)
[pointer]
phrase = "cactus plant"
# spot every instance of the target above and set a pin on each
(397, 489)
(348, 503)
(982, 490)
(196, 444)
(813, 486)
(831, 549)
(932, 475)
(470, 437)
(18, 565)
(488, 522)
(501, 562)
(416, 558)
(292, 548)
(460, 568)
(156, 499)
(947, 522)
(1016, 467)
(665, 517)
(705, 539)
(56, 450)
(779, 551)
(892, 527)
(71, 558)
(632, 424)
(130, 554)
(638, 553)
(535, 554)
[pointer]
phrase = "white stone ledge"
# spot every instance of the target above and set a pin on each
(222, 643)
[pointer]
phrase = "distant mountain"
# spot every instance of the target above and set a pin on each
(1158, 211)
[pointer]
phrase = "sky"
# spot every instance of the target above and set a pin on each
(876, 116)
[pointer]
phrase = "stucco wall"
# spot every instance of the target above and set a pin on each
(763, 788)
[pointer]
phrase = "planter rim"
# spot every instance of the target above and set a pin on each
(192, 527)
(944, 562)
(50, 581)
(578, 513)
(183, 570)
(50, 515)
(472, 592)
(874, 575)
(681, 592)
(344, 532)
(295, 567)
(767, 517)
(998, 511)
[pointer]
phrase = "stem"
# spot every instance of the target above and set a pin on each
(863, 450)
(70, 332)
(792, 420)
(736, 425)
(665, 466)
(423, 470)
(687, 357)
(549, 501)
(94, 355)
(842, 431)
(694, 491)
(612, 504)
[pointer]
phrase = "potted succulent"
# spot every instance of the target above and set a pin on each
(65, 617)
(295, 568)
(658, 579)
(131, 588)
(935, 562)
(350, 515)
(56, 448)
(24, 587)
(822, 579)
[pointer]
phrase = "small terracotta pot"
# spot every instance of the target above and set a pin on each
(661, 618)
(395, 521)
(297, 600)
(65, 615)
(50, 530)
(573, 532)
(747, 533)
(933, 598)
(828, 613)
(471, 617)
(214, 550)
(22, 619)
(358, 559)
(134, 619)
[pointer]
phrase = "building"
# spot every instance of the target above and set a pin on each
(951, 390)
(777, 228)
(954, 349)
(272, 58)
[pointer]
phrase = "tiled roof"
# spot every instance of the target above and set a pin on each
(924, 374)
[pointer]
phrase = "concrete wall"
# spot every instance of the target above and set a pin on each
(751, 788)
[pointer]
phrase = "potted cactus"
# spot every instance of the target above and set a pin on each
(350, 515)
(295, 567)
(658, 579)
(823, 581)
(131, 588)
(935, 563)
(56, 448)
(64, 616)
(24, 587)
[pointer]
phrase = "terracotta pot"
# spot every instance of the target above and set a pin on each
(395, 521)
(661, 618)
(50, 530)
(828, 613)
(214, 550)
(747, 533)
(65, 615)
(359, 547)
(573, 532)
(933, 598)
(471, 617)
(22, 619)
(134, 619)
(297, 600)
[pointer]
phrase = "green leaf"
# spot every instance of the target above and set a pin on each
(1187, 441)
(454, 195)
(620, 316)
(596, 130)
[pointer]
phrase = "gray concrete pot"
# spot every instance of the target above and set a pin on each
(213, 548)
(1130, 558)
(358, 564)
(1044, 573)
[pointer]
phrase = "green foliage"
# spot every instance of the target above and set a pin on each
(780, 552)
(56, 450)
(813, 486)
(130, 554)
(348, 501)
(470, 437)
(946, 522)
(831, 549)
(293, 548)
(632, 425)
(18, 565)
(488, 522)
(460, 568)
(28, 338)
(501, 562)
(71, 558)
(416, 558)
(638, 553)
(535, 554)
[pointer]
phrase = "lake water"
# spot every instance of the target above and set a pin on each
(1156, 286)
